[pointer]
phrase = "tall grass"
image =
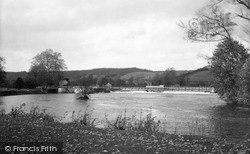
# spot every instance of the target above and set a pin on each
(34, 113)
(124, 122)
(120, 122)
(84, 118)
(146, 122)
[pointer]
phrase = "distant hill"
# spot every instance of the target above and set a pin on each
(148, 75)
(74, 75)
(125, 73)
(178, 73)
(199, 77)
(12, 76)
(77, 74)
(139, 75)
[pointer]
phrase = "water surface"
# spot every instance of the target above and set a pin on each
(195, 114)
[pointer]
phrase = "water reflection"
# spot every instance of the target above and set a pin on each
(230, 121)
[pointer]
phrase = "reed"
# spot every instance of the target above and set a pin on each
(124, 122)
(84, 118)
(125, 134)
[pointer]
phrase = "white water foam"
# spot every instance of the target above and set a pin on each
(167, 92)
(187, 92)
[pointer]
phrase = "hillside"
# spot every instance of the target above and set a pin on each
(12, 76)
(139, 75)
(199, 75)
(149, 75)
(77, 74)
(203, 75)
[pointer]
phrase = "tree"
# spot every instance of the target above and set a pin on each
(19, 83)
(182, 80)
(169, 77)
(2, 71)
(242, 10)
(244, 92)
(211, 24)
(88, 80)
(47, 68)
(157, 80)
(130, 82)
(103, 80)
(119, 82)
(226, 63)
(30, 82)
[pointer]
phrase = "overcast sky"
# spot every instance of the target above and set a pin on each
(101, 33)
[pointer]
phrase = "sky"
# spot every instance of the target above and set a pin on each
(101, 33)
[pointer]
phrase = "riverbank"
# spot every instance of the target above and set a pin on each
(10, 92)
(81, 137)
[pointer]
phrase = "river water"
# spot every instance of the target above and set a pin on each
(180, 113)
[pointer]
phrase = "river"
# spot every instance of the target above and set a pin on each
(180, 113)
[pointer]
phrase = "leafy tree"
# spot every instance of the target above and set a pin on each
(226, 63)
(157, 80)
(213, 24)
(130, 82)
(182, 80)
(103, 80)
(47, 68)
(88, 80)
(2, 71)
(244, 92)
(30, 82)
(169, 77)
(19, 83)
(119, 82)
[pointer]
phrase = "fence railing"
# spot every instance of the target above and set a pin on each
(198, 89)
(194, 89)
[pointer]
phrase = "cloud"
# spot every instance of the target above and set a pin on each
(106, 33)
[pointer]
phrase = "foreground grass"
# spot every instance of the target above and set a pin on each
(79, 138)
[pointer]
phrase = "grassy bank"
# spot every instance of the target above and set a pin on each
(120, 136)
